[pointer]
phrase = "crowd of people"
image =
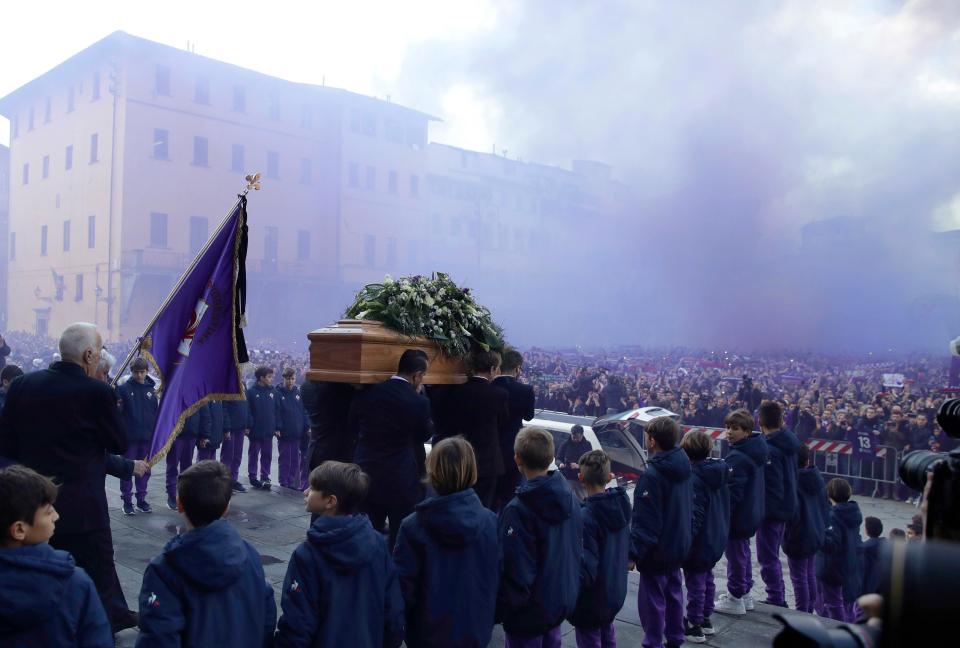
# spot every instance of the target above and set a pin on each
(497, 537)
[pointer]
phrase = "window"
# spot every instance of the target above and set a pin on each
(13, 246)
(371, 178)
(305, 171)
(161, 144)
(71, 99)
(26, 174)
(43, 240)
(59, 284)
(94, 156)
(95, 87)
(198, 233)
(416, 135)
(369, 125)
(30, 119)
(273, 106)
(91, 231)
(201, 93)
(46, 166)
(200, 151)
(393, 131)
(68, 158)
(270, 244)
(15, 127)
(306, 116)
(46, 111)
(273, 164)
(236, 158)
(353, 176)
(415, 186)
(391, 252)
(239, 99)
(303, 245)
(392, 182)
(158, 230)
(370, 250)
(161, 86)
(66, 236)
(78, 290)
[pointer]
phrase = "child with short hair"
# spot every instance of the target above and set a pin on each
(839, 564)
(803, 536)
(897, 534)
(746, 462)
(207, 587)
(341, 587)
(606, 543)
(448, 541)
(543, 519)
(293, 428)
(660, 533)
(45, 600)
(872, 549)
(710, 529)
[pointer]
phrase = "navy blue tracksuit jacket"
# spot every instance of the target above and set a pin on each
(660, 533)
(207, 588)
(780, 476)
(341, 588)
(711, 514)
(138, 408)
(46, 600)
(745, 465)
(606, 543)
(293, 418)
(872, 549)
(236, 416)
(541, 536)
(264, 418)
(840, 560)
(217, 424)
(448, 559)
(803, 535)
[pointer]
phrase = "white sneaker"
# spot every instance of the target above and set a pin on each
(748, 602)
(728, 604)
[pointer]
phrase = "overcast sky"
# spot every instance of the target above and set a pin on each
(736, 122)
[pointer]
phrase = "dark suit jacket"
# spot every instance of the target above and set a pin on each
(328, 406)
(478, 410)
(62, 424)
(520, 407)
(391, 422)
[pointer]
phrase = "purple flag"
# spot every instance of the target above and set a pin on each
(195, 344)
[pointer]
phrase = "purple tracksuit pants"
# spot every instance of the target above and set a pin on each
(260, 450)
(288, 451)
(739, 567)
(833, 606)
(231, 453)
(602, 637)
(700, 594)
(769, 539)
(549, 639)
(803, 574)
(660, 606)
(179, 459)
(136, 450)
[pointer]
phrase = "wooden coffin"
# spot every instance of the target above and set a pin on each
(366, 352)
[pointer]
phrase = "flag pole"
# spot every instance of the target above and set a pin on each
(253, 182)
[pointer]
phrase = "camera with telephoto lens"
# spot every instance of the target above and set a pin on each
(943, 501)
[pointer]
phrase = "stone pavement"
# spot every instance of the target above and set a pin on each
(275, 523)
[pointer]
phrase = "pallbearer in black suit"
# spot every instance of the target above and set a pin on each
(392, 422)
(476, 410)
(520, 407)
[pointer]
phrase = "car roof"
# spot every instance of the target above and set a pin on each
(641, 415)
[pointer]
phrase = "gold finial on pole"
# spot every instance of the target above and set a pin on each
(253, 182)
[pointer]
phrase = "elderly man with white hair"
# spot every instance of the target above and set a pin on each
(64, 423)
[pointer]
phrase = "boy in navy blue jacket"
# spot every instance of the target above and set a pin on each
(661, 534)
(804, 534)
(210, 439)
(341, 587)
(180, 456)
(45, 599)
(745, 476)
(293, 427)
(138, 410)
(263, 425)
(710, 529)
(449, 541)
(839, 562)
(541, 537)
(872, 549)
(780, 498)
(606, 544)
(207, 588)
